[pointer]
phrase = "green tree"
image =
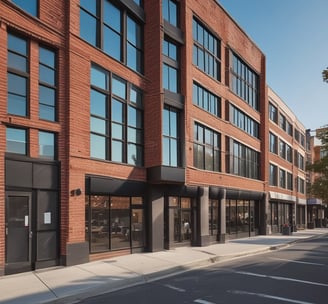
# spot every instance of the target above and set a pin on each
(319, 188)
(325, 75)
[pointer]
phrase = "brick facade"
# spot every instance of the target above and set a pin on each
(58, 27)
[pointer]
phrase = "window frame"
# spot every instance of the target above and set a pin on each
(244, 81)
(101, 25)
(171, 138)
(21, 73)
(199, 48)
(25, 142)
(205, 161)
(108, 122)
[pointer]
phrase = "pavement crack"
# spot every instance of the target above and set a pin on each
(45, 284)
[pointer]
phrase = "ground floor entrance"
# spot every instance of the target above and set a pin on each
(281, 214)
(31, 215)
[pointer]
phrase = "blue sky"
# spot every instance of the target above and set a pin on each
(293, 35)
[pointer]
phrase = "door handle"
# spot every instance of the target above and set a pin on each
(6, 230)
(31, 234)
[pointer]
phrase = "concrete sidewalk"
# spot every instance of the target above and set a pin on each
(69, 284)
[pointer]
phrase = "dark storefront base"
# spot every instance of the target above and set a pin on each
(32, 214)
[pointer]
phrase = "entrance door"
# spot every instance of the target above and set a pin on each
(18, 232)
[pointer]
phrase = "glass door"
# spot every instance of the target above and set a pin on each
(18, 232)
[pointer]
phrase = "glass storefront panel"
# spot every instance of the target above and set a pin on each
(213, 214)
(99, 223)
(114, 223)
(120, 222)
(241, 217)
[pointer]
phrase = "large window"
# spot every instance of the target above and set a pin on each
(114, 223)
(207, 145)
(282, 178)
(30, 6)
(206, 100)
(114, 30)
(171, 138)
(289, 181)
(273, 178)
(301, 185)
(116, 119)
(244, 122)
(170, 12)
(16, 141)
(171, 66)
(47, 145)
(206, 51)
(18, 75)
(273, 113)
(244, 82)
(47, 84)
(243, 161)
(273, 143)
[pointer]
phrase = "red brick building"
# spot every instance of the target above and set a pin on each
(128, 126)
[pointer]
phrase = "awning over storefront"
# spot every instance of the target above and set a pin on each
(314, 201)
(281, 197)
(301, 201)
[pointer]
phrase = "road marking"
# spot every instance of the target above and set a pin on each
(203, 301)
(300, 262)
(280, 278)
(175, 288)
(262, 295)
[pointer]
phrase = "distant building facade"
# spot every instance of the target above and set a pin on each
(317, 210)
(131, 126)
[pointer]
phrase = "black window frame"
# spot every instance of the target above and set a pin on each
(23, 73)
(172, 64)
(244, 81)
(273, 113)
(177, 15)
(244, 122)
(206, 100)
(210, 53)
(109, 122)
(48, 85)
(171, 138)
(101, 25)
(55, 146)
(273, 175)
(26, 142)
(242, 160)
(202, 160)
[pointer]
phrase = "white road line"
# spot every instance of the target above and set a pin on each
(175, 288)
(262, 295)
(281, 278)
(300, 262)
(203, 301)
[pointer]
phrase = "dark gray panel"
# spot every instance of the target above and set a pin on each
(46, 245)
(45, 176)
(166, 174)
(114, 186)
(243, 194)
(47, 210)
(77, 253)
(18, 174)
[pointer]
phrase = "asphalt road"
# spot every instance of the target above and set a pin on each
(297, 274)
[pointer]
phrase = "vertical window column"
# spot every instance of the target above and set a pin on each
(18, 75)
(171, 139)
(47, 84)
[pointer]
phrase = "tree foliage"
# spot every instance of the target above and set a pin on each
(325, 75)
(319, 188)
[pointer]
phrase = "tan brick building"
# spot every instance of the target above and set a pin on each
(130, 126)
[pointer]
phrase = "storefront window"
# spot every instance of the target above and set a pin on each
(114, 222)
(179, 216)
(213, 214)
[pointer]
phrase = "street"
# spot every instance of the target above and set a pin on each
(296, 274)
